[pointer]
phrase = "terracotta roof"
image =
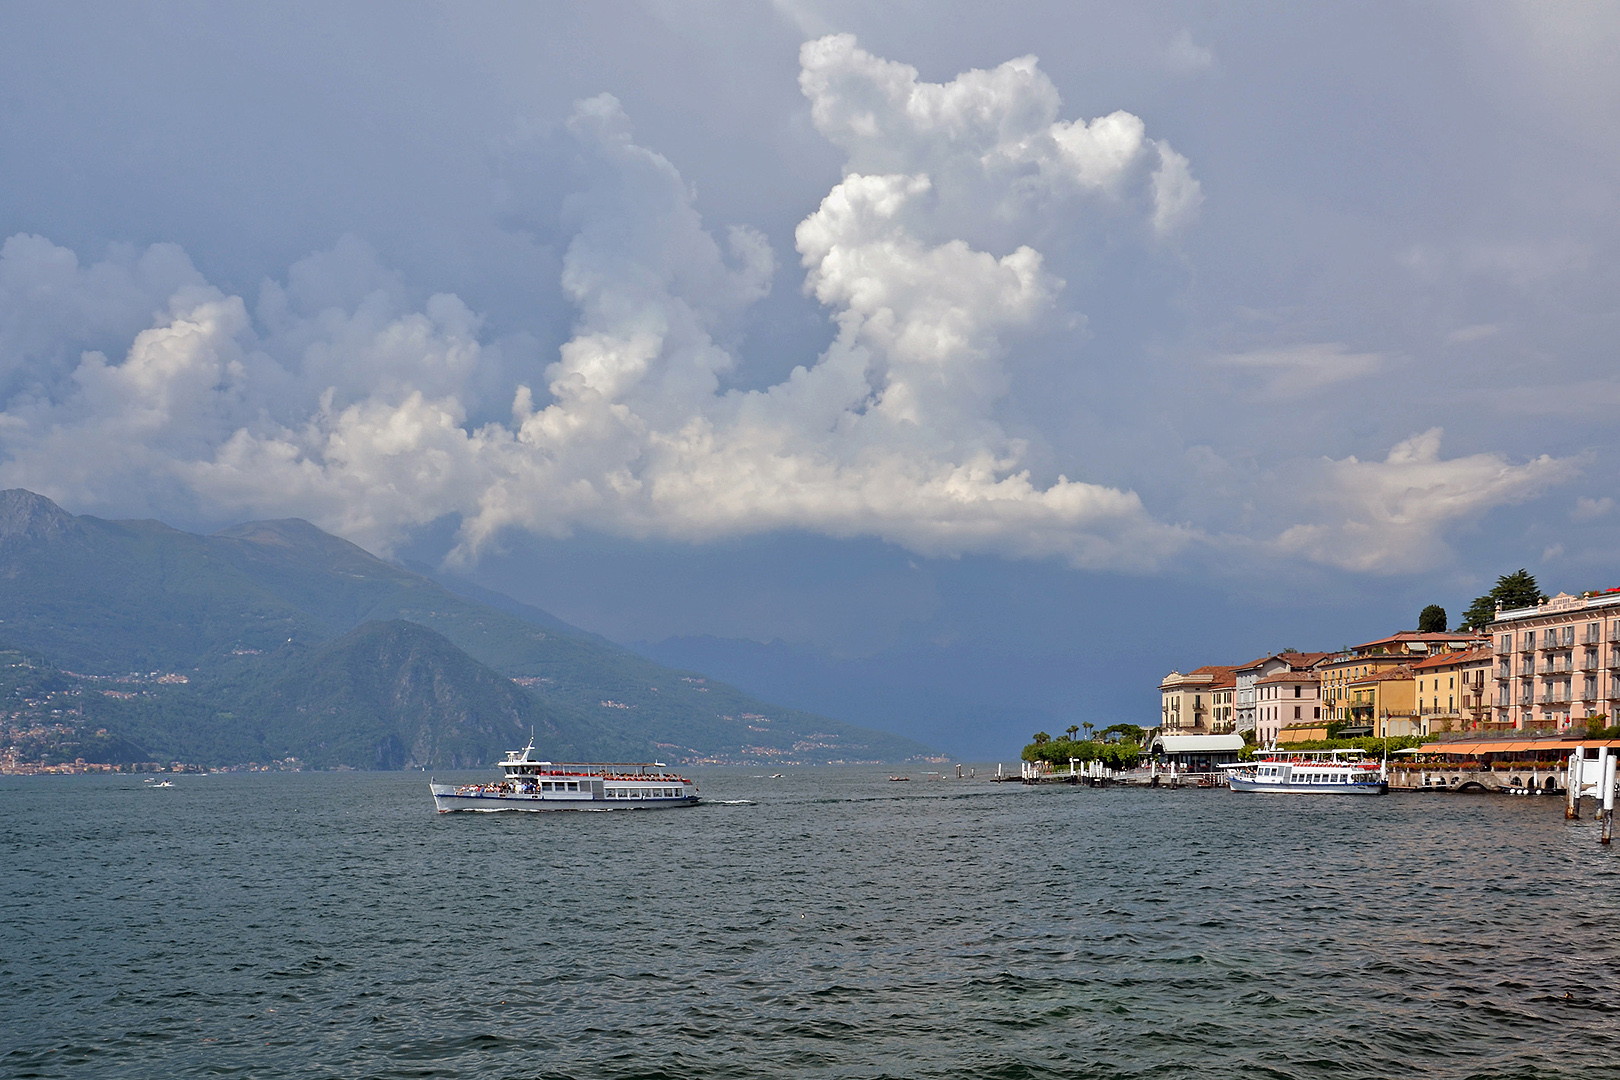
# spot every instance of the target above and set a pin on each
(1224, 675)
(1341, 659)
(1394, 674)
(1413, 635)
(1288, 677)
(1440, 660)
(1292, 659)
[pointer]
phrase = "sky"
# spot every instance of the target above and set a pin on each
(951, 368)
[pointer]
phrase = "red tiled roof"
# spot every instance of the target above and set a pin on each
(1292, 659)
(1288, 677)
(1394, 674)
(1447, 659)
(1413, 635)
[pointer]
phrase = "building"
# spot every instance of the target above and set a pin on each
(1199, 701)
(1243, 696)
(1558, 662)
(1386, 702)
(1196, 753)
(1283, 698)
(1454, 691)
(1340, 671)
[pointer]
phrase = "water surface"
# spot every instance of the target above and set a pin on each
(824, 924)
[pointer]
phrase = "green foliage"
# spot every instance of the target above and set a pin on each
(1121, 733)
(1432, 620)
(1058, 752)
(1515, 590)
(1597, 727)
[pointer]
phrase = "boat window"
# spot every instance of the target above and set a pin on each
(573, 785)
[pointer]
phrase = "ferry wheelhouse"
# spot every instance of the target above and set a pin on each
(1309, 772)
(527, 783)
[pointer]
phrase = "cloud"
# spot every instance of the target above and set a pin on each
(1293, 370)
(1464, 335)
(1185, 57)
(991, 140)
(338, 399)
(1390, 516)
(1589, 509)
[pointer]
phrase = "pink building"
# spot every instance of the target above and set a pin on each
(1283, 698)
(1558, 662)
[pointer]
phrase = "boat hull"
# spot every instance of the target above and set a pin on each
(447, 799)
(1373, 787)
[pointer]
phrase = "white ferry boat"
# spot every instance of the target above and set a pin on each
(1309, 772)
(531, 784)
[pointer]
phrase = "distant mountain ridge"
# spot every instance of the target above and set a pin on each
(279, 627)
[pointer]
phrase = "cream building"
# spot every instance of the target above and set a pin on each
(1198, 702)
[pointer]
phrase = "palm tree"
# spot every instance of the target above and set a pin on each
(1073, 729)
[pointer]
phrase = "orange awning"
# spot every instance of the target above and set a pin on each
(1475, 747)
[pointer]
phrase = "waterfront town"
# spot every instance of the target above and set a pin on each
(1501, 708)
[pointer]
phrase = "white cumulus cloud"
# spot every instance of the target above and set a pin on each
(337, 399)
(1390, 516)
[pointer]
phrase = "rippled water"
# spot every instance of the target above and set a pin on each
(824, 924)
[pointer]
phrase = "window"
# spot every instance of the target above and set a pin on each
(1296, 712)
(1296, 689)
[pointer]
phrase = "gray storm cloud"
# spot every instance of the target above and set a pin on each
(336, 401)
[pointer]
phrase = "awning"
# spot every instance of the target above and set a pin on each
(1475, 747)
(1198, 744)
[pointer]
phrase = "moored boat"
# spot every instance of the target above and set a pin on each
(529, 784)
(1309, 772)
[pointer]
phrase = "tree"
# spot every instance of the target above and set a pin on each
(1515, 590)
(1432, 620)
(1129, 732)
(1073, 730)
(1041, 738)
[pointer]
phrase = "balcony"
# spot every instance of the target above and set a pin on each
(1553, 699)
(1528, 643)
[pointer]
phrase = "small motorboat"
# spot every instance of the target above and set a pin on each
(898, 779)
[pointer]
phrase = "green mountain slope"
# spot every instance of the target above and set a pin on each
(247, 605)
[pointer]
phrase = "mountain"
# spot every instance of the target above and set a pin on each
(270, 621)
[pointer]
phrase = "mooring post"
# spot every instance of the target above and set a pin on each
(1572, 785)
(1608, 758)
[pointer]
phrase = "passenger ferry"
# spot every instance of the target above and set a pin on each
(531, 784)
(1309, 772)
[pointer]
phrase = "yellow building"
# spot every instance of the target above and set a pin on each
(1386, 701)
(1370, 658)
